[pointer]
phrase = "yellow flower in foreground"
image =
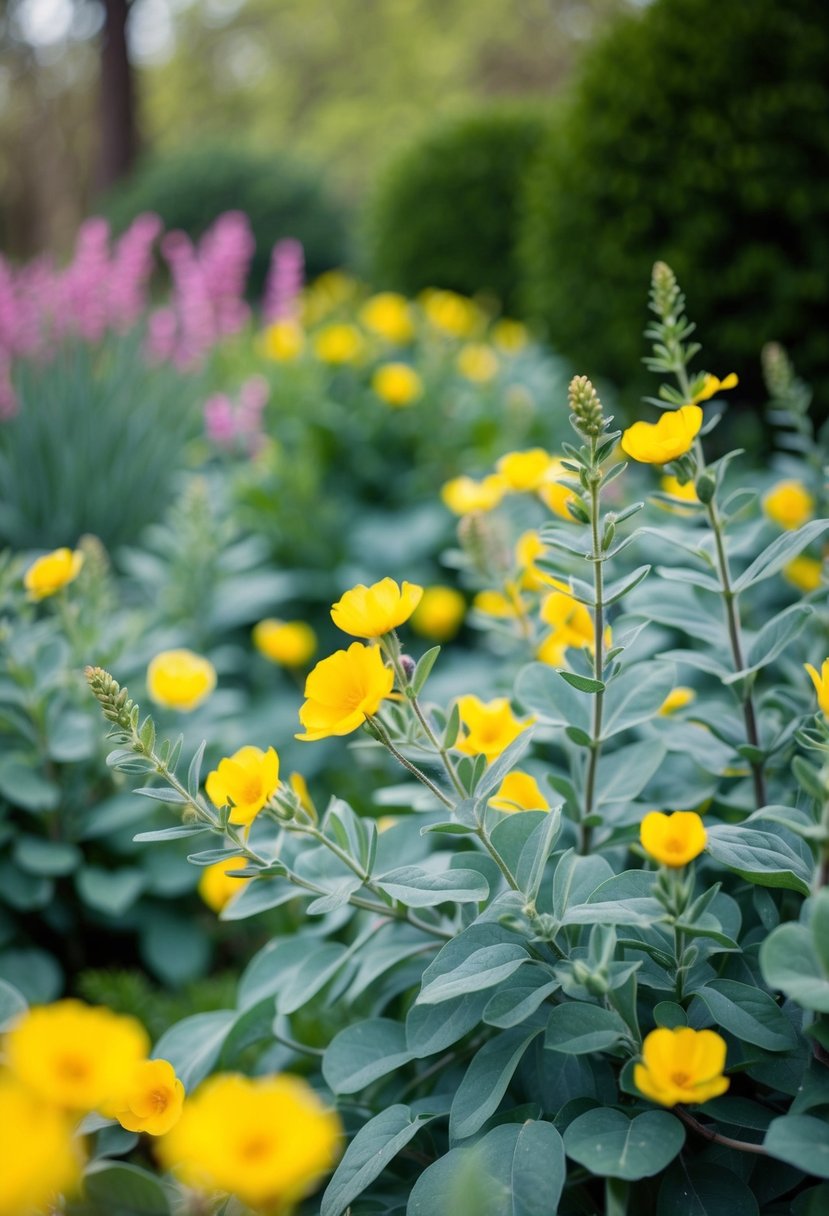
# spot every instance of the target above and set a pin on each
(447, 311)
(490, 726)
(73, 1055)
(343, 690)
(440, 613)
(39, 1157)
(678, 698)
(681, 1065)
(150, 1099)
(180, 679)
(659, 442)
(216, 887)
(821, 683)
(464, 495)
(805, 573)
(291, 643)
(713, 385)
(338, 344)
(510, 336)
(789, 504)
(244, 781)
(525, 471)
(397, 384)
(371, 612)
(54, 570)
(283, 341)
(389, 316)
(519, 792)
(675, 839)
(267, 1140)
(477, 362)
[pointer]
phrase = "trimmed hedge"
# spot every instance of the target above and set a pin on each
(697, 134)
(445, 212)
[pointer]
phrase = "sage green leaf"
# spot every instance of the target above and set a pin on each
(608, 1143)
(486, 1079)
(820, 927)
(774, 637)
(542, 692)
(49, 857)
(433, 1028)
(779, 552)
(760, 857)
(364, 1052)
(749, 1013)
(267, 971)
(518, 997)
(801, 1141)
(376, 1144)
(418, 888)
(192, 1046)
(579, 1029)
(482, 969)
(622, 775)
(319, 966)
(258, 896)
(125, 1189)
(698, 1189)
(789, 962)
(576, 878)
(636, 695)
(12, 1004)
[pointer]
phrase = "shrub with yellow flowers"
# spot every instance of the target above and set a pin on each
(583, 967)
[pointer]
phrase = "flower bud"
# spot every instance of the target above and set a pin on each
(666, 298)
(586, 411)
(705, 487)
(408, 664)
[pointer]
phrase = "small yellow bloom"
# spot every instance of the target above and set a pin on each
(805, 573)
(244, 781)
(150, 1099)
(659, 442)
(510, 336)
(343, 690)
(300, 787)
(283, 341)
(477, 362)
(490, 726)
(821, 683)
(440, 613)
(40, 1158)
(51, 572)
(678, 698)
(673, 840)
(290, 643)
(681, 1065)
(570, 619)
(519, 791)
(180, 679)
(339, 344)
(73, 1055)
(371, 612)
(397, 384)
(525, 472)
(216, 887)
(554, 491)
(451, 313)
(389, 315)
(267, 1140)
(506, 604)
(529, 547)
(713, 385)
(687, 492)
(463, 495)
(789, 504)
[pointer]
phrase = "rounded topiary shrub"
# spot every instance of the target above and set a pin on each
(697, 134)
(280, 196)
(445, 211)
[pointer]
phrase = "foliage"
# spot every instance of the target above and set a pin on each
(712, 160)
(445, 212)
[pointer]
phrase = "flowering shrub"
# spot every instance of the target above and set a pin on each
(582, 965)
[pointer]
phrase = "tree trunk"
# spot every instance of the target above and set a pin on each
(119, 134)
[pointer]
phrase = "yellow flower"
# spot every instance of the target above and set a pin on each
(54, 570)
(556, 494)
(150, 1098)
(789, 504)
(74, 1055)
(570, 619)
(530, 546)
(180, 679)
(326, 293)
(291, 643)
(216, 887)
(300, 787)
(447, 311)
(821, 683)
(283, 341)
(670, 485)
(463, 495)
(673, 840)
(805, 573)
(39, 1157)
(267, 1140)
(490, 726)
(519, 792)
(510, 336)
(244, 781)
(678, 698)
(672, 436)
(681, 1065)
(713, 385)
(397, 384)
(371, 612)
(343, 690)
(527, 471)
(389, 316)
(338, 344)
(477, 362)
(503, 604)
(440, 613)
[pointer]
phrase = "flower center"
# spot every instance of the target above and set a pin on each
(159, 1099)
(255, 1148)
(72, 1067)
(251, 790)
(674, 845)
(682, 1079)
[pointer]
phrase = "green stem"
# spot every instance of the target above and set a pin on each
(598, 657)
(382, 736)
(392, 648)
(485, 840)
(742, 1146)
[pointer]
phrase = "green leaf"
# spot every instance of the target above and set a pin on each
(608, 1143)
(424, 667)
(621, 586)
(801, 1141)
(192, 1046)
(364, 1052)
(579, 1029)
(319, 966)
(749, 1013)
(636, 695)
(125, 1189)
(582, 683)
(418, 888)
(486, 1079)
(163, 793)
(12, 1004)
(49, 857)
(22, 785)
(194, 770)
(774, 637)
(576, 878)
(376, 1144)
(820, 927)
(759, 857)
(266, 972)
(110, 891)
(495, 773)
(699, 1189)
(542, 692)
(518, 997)
(535, 853)
(779, 553)
(179, 832)
(790, 963)
(482, 969)
(622, 775)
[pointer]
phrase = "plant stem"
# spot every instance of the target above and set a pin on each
(598, 656)
(392, 648)
(383, 737)
(485, 840)
(713, 1137)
